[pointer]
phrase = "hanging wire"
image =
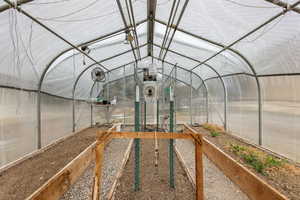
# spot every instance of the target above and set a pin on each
(73, 12)
(79, 20)
(265, 31)
(59, 18)
(47, 3)
(249, 6)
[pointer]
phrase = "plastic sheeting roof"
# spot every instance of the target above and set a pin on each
(206, 27)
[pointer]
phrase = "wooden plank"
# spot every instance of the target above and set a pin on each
(253, 186)
(186, 169)
(61, 182)
(119, 174)
(98, 171)
(151, 135)
(199, 169)
(103, 137)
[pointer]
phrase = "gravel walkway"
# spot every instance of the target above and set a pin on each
(216, 185)
(114, 153)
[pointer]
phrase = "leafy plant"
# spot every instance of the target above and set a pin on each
(253, 160)
(237, 148)
(270, 161)
(213, 127)
(258, 160)
(214, 134)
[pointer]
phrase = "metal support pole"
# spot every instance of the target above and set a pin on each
(171, 142)
(145, 115)
(175, 101)
(225, 105)
(207, 104)
(73, 115)
(124, 73)
(157, 115)
(39, 127)
(137, 141)
(191, 96)
(260, 139)
(92, 115)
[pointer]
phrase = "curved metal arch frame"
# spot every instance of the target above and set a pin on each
(212, 42)
(124, 66)
(252, 69)
(216, 72)
(83, 71)
(203, 82)
(39, 131)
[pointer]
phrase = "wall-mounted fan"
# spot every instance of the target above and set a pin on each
(98, 75)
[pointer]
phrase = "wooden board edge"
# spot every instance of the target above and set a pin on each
(111, 193)
(152, 135)
(186, 169)
(252, 185)
(61, 182)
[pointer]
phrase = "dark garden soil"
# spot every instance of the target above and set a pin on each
(154, 180)
(21, 180)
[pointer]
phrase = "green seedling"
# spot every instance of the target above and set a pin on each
(214, 134)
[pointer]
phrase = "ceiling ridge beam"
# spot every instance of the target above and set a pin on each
(151, 11)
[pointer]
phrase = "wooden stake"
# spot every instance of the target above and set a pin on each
(199, 168)
(98, 171)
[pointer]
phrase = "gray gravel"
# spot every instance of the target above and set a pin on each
(216, 185)
(114, 153)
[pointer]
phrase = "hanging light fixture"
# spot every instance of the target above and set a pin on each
(87, 50)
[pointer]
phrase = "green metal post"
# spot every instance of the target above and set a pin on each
(137, 141)
(171, 142)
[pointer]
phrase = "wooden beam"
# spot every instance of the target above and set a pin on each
(199, 169)
(151, 135)
(253, 186)
(98, 171)
(103, 137)
(56, 186)
(186, 169)
(124, 161)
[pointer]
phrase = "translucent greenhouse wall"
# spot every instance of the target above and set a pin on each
(281, 114)
(18, 122)
(202, 102)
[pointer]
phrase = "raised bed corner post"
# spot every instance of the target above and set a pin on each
(137, 141)
(171, 142)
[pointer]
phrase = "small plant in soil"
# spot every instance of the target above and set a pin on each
(259, 161)
(213, 127)
(214, 134)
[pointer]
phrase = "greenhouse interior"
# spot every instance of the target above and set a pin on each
(150, 99)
